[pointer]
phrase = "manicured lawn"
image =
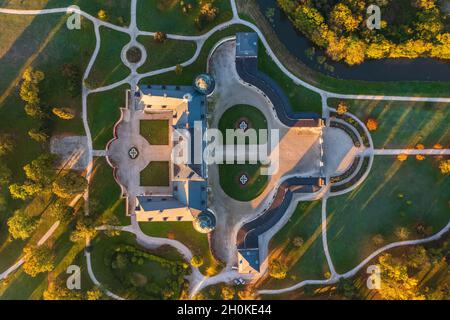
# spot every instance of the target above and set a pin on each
(199, 66)
(155, 131)
(185, 233)
(394, 195)
(232, 117)
(131, 278)
(104, 196)
(167, 54)
(404, 124)
(230, 173)
(108, 67)
(118, 11)
(103, 113)
(156, 174)
(307, 261)
(301, 98)
(167, 16)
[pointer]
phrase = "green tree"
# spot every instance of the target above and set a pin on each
(69, 185)
(38, 135)
(5, 174)
(6, 144)
(61, 211)
(42, 170)
(37, 260)
(21, 226)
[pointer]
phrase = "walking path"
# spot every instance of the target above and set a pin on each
(198, 280)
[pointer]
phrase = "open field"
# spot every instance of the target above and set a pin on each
(164, 55)
(396, 194)
(108, 67)
(306, 261)
(167, 16)
(103, 113)
(404, 124)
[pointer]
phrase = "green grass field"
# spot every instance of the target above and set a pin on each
(167, 16)
(118, 11)
(108, 67)
(155, 131)
(394, 195)
(301, 98)
(105, 197)
(185, 233)
(307, 261)
(404, 124)
(156, 174)
(167, 54)
(103, 113)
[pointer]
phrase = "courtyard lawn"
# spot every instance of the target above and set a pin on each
(155, 131)
(185, 233)
(105, 198)
(167, 54)
(230, 173)
(108, 67)
(103, 113)
(395, 194)
(251, 115)
(307, 261)
(199, 66)
(404, 124)
(300, 98)
(129, 277)
(167, 16)
(156, 174)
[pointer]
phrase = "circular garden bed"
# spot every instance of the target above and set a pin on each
(134, 55)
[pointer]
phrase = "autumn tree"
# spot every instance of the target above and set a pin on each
(21, 226)
(196, 261)
(372, 124)
(94, 294)
(37, 260)
(56, 290)
(444, 166)
(178, 69)
(84, 229)
(38, 135)
(61, 211)
(341, 108)
(298, 242)
(228, 293)
(24, 191)
(278, 269)
(69, 185)
(402, 157)
(160, 37)
(402, 233)
(42, 170)
(64, 113)
(102, 15)
(397, 284)
(29, 91)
